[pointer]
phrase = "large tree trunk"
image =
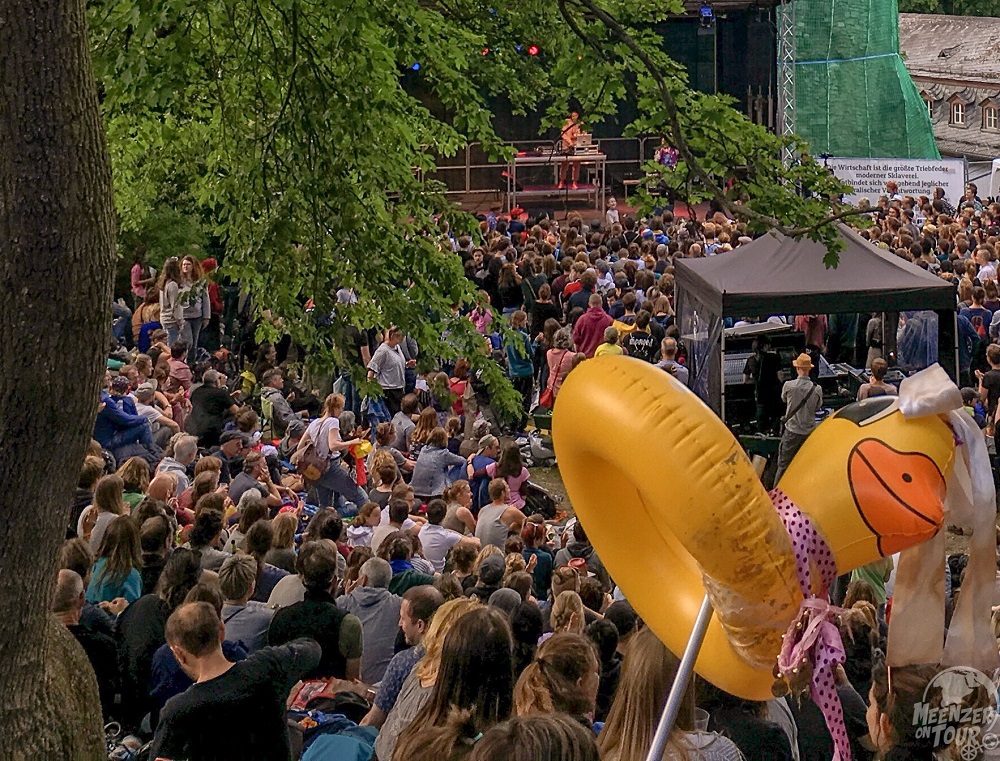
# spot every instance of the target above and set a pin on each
(56, 255)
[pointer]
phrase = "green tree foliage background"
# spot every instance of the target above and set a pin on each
(295, 134)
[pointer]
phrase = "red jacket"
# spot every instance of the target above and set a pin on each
(589, 330)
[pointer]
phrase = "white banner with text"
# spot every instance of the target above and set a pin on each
(915, 177)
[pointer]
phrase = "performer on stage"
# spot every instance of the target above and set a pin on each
(570, 134)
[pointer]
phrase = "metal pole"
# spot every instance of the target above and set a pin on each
(722, 370)
(677, 690)
(786, 74)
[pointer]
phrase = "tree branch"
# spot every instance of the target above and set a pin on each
(676, 135)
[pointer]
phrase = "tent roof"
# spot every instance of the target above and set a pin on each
(779, 275)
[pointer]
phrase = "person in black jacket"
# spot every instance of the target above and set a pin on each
(233, 710)
(743, 722)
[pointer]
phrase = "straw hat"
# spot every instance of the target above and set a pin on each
(803, 362)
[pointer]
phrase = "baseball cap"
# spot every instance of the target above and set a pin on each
(491, 570)
(296, 427)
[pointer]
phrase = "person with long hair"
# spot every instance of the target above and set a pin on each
(564, 677)
(119, 558)
(417, 687)
(472, 691)
(196, 305)
(135, 480)
(420, 435)
(171, 306)
(648, 673)
(553, 737)
(282, 552)
(140, 631)
(559, 360)
(511, 468)
(108, 504)
(324, 432)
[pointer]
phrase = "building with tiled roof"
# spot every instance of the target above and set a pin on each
(955, 63)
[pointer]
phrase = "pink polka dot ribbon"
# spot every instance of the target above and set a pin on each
(812, 642)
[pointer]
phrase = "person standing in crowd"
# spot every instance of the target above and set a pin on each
(668, 361)
(803, 399)
(171, 306)
(589, 329)
(388, 367)
(196, 305)
(324, 433)
(876, 385)
(212, 406)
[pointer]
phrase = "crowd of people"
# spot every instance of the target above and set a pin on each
(260, 568)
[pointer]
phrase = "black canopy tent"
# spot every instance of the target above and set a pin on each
(776, 275)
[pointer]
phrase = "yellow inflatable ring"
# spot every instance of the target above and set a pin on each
(673, 507)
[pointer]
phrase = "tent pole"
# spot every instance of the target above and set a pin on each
(679, 687)
(958, 367)
(722, 368)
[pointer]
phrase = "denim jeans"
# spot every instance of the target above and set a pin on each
(337, 480)
(190, 332)
(121, 326)
(139, 432)
(173, 333)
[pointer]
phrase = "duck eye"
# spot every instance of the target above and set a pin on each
(907, 478)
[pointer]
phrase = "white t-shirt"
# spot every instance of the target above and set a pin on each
(384, 520)
(151, 414)
(437, 541)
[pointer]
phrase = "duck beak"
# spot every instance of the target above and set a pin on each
(900, 495)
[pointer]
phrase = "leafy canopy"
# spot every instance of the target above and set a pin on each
(297, 133)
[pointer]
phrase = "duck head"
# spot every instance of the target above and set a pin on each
(873, 481)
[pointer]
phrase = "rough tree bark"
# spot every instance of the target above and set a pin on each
(56, 255)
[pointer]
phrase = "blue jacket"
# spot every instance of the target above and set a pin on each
(519, 357)
(112, 419)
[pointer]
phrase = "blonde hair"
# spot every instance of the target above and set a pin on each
(513, 563)
(485, 552)
(647, 674)
(379, 458)
(433, 641)
(284, 525)
(135, 473)
(550, 683)
(567, 613)
(332, 404)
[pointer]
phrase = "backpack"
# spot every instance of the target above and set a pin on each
(981, 329)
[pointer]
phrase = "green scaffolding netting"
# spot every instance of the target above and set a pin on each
(853, 94)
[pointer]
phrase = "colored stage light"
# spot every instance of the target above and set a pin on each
(533, 50)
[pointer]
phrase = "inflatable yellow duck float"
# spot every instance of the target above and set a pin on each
(675, 509)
